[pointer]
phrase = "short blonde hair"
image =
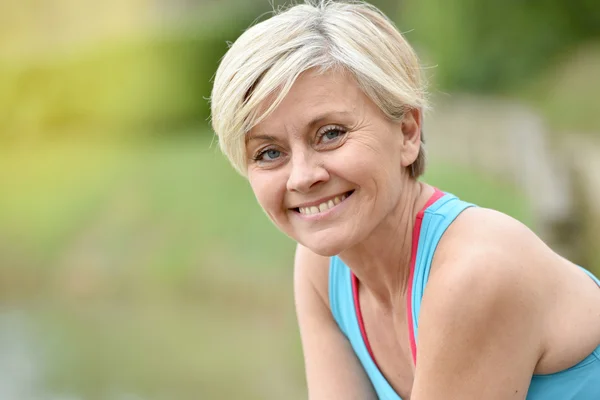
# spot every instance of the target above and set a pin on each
(265, 61)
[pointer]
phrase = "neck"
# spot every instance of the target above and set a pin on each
(382, 261)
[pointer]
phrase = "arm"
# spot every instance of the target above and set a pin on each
(481, 325)
(332, 369)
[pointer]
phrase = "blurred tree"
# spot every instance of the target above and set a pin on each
(489, 45)
(155, 80)
(159, 79)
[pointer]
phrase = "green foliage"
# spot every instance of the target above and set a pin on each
(160, 82)
(491, 45)
(153, 83)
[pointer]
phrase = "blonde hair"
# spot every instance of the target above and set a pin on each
(265, 61)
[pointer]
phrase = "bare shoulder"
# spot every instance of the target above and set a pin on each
(477, 227)
(481, 330)
(487, 266)
(311, 271)
(488, 244)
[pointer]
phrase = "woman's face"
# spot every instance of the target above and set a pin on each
(327, 166)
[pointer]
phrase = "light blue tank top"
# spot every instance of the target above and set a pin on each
(580, 382)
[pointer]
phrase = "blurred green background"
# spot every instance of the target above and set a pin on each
(135, 263)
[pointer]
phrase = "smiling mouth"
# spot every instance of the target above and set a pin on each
(316, 209)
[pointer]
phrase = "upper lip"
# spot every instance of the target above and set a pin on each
(320, 201)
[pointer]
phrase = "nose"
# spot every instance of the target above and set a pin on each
(307, 171)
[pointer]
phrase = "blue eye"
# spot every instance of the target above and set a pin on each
(269, 155)
(332, 133)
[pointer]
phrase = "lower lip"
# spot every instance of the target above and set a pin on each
(324, 214)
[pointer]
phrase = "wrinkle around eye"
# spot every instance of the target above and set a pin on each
(369, 141)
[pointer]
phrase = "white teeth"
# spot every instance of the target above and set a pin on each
(323, 206)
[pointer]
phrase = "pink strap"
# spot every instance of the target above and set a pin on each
(359, 317)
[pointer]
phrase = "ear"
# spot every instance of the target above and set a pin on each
(411, 136)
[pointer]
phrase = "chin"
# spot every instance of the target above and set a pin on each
(324, 246)
(324, 251)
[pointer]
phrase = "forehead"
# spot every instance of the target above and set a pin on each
(313, 95)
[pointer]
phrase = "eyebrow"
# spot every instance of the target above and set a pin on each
(267, 138)
(327, 115)
(318, 119)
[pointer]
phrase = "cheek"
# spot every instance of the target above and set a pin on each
(269, 193)
(366, 162)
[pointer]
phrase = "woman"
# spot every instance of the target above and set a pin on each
(402, 291)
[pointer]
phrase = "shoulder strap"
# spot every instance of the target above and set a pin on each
(591, 276)
(339, 291)
(436, 221)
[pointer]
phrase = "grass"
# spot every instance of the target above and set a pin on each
(150, 269)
